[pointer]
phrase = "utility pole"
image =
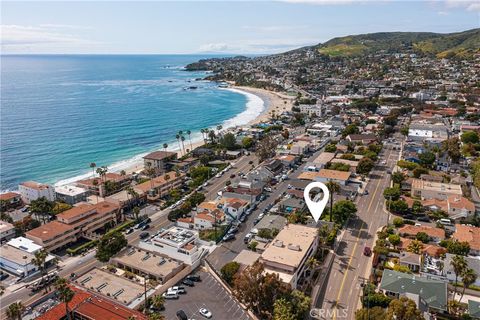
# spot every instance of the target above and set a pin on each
(145, 304)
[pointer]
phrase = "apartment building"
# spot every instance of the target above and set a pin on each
(434, 190)
(160, 186)
(10, 200)
(288, 252)
(71, 194)
(32, 190)
(7, 231)
(159, 161)
(80, 221)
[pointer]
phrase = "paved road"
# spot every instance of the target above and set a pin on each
(350, 266)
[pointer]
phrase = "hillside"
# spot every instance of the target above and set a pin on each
(461, 44)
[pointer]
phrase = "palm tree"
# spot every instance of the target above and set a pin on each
(151, 173)
(415, 246)
(158, 301)
(178, 139)
(459, 265)
(469, 276)
(190, 139)
(95, 184)
(182, 138)
(15, 311)
(203, 134)
(123, 173)
(167, 177)
(93, 165)
(323, 233)
(165, 146)
(39, 261)
(219, 127)
(136, 212)
(333, 187)
(64, 293)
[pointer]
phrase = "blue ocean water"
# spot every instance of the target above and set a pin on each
(59, 113)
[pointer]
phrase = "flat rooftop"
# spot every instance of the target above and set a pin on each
(70, 190)
(110, 285)
(24, 244)
(148, 262)
(175, 236)
(437, 186)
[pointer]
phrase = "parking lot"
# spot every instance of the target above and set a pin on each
(209, 294)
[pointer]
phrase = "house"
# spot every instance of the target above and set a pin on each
(272, 222)
(449, 273)
(207, 206)
(435, 190)
(32, 190)
(410, 260)
(208, 220)
(460, 208)
(104, 186)
(7, 231)
(78, 222)
(300, 148)
(71, 194)
(160, 186)
(431, 250)
(363, 138)
(290, 205)
(287, 160)
(428, 295)
(86, 305)
(470, 234)
(10, 200)
(325, 175)
(352, 164)
(17, 254)
(275, 165)
(159, 161)
(235, 207)
(436, 234)
(124, 200)
(287, 254)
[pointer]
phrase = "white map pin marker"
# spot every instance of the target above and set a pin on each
(316, 208)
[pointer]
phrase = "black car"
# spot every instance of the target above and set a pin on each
(181, 315)
(188, 282)
(409, 216)
(145, 227)
(228, 237)
(243, 217)
(144, 235)
(423, 219)
(3, 276)
(194, 278)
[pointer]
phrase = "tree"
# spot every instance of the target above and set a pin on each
(402, 268)
(247, 142)
(136, 212)
(339, 166)
(365, 165)
(394, 239)
(456, 247)
(403, 309)
(459, 265)
(15, 311)
(266, 148)
(41, 207)
(283, 310)
(333, 187)
(415, 247)
(228, 141)
(350, 129)
(331, 148)
(64, 293)
(398, 222)
(422, 236)
(189, 133)
(392, 193)
(229, 270)
(470, 137)
(451, 146)
(157, 302)
(469, 276)
(259, 290)
(397, 206)
(427, 159)
(398, 178)
(404, 131)
(39, 260)
(293, 307)
(109, 245)
(407, 164)
(342, 210)
(418, 171)
(375, 313)
(155, 316)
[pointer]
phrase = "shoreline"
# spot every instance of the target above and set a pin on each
(259, 105)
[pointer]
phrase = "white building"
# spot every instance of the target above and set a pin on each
(311, 109)
(7, 231)
(71, 194)
(177, 243)
(32, 190)
(17, 254)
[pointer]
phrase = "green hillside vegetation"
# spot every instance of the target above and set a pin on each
(461, 44)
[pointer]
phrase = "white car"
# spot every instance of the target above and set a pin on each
(204, 312)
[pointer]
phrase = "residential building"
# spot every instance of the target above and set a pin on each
(410, 260)
(159, 161)
(208, 219)
(363, 138)
(7, 231)
(71, 194)
(460, 208)
(325, 175)
(434, 190)
(470, 234)
(73, 224)
(32, 190)
(311, 109)
(289, 251)
(146, 263)
(97, 185)
(235, 207)
(177, 243)
(436, 234)
(17, 254)
(428, 295)
(160, 186)
(10, 200)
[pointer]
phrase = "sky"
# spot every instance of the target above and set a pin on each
(237, 27)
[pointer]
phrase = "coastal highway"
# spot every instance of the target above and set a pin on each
(350, 266)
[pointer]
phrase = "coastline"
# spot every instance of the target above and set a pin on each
(260, 103)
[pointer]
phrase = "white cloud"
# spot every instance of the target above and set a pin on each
(470, 5)
(442, 13)
(274, 28)
(326, 2)
(64, 26)
(257, 46)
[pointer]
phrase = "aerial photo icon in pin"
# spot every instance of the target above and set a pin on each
(316, 207)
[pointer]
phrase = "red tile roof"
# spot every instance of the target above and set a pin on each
(8, 196)
(468, 234)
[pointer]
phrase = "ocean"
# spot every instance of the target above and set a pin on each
(59, 113)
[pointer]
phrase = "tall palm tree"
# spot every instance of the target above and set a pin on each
(158, 301)
(178, 139)
(459, 265)
(167, 177)
(65, 294)
(203, 134)
(219, 128)
(93, 165)
(182, 138)
(323, 233)
(136, 212)
(469, 276)
(15, 311)
(95, 184)
(165, 146)
(333, 187)
(151, 173)
(39, 260)
(190, 139)
(123, 173)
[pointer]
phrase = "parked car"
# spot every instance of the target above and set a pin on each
(177, 289)
(247, 238)
(143, 235)
(188, 282)
(367, 251)
(170, 295)
(232, 176)
(268, 189)
(145, 227)
(243, 217)
(181, 315)
(130, 230)
(233, 230)
(228, 237)
(423, 219)
(3, 275)
(194, 277)
(205, 312)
